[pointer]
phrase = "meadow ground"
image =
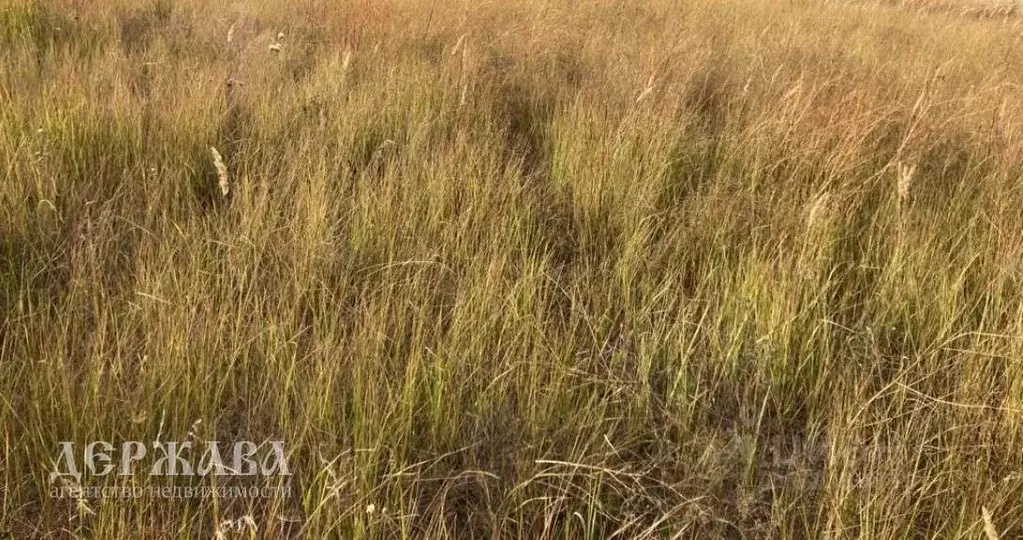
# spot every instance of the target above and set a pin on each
(543, 269)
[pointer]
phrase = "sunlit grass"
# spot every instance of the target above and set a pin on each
(715, 269)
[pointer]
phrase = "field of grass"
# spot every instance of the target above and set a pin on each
(538, 269)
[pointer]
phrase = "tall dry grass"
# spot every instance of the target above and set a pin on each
(540, 269)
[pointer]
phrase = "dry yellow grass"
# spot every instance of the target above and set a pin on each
(722, 269)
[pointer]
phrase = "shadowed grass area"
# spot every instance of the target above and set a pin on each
(726, 269)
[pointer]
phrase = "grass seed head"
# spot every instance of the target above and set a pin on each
(905, 180)
(819, 210)
(989, 525)
(222, 179)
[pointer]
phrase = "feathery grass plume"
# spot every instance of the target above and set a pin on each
(458, 45)
(230, 33)
(905, 180)
(649, 88)
(378, 153)
(346, 61)
(218, 162)
(819, 210)
(238, 527)
(276, 47)
(193, 431)
(989, 524)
